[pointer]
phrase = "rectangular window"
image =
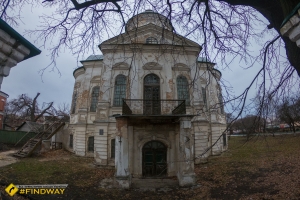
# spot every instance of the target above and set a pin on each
(204, 97)
(112, 148)
(91, 144)
(71, 141)
(221, 103)
(224, 139)
(94, 101)
(183, 89)
(74, 102)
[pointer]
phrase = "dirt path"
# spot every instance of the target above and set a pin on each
(6, 158)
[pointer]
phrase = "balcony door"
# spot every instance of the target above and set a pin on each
(151, 95)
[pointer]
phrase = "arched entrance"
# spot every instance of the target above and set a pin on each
(154, 159)
(151, 95)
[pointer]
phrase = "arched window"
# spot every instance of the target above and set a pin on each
(151, 40)
(151, 95)
(120, 90)
(183, 89)
(74, 102)
(94, 101)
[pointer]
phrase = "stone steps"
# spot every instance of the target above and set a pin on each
(154, 183)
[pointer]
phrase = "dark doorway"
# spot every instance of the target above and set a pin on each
(151, 95)
(154, 159)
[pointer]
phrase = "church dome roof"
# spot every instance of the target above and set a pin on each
(148, 17)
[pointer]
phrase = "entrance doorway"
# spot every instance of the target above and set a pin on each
(154, 159)
(151, 95)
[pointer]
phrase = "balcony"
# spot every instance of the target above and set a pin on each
(153, 107)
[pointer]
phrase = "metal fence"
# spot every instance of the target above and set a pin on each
(12, 137)
(153, 107)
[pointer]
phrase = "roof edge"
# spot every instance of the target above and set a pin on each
(218, 71)
(82, 67)
(290, 15)
(13, 33)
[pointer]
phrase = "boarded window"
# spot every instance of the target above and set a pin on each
(94, 101)
(120, 90)
(71, 141)
(183, 89)
(151, 40)
(74, 102)
(112, 148)
(204, 97)
(91, 144)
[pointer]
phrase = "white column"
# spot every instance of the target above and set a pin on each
(122, 153)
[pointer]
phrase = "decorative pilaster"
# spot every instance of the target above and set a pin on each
(186, 174)
(122, 155)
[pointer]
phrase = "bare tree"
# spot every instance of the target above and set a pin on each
(62, 111)
(249, 125)
(289, 111)
(225, 28)
(226, 24)
(25, 108)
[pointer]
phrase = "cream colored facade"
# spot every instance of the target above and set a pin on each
(153, 132)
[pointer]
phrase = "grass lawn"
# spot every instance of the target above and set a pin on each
(262, 168)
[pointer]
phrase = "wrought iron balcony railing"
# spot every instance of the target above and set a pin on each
(153, 107)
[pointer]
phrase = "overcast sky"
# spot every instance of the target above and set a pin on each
(25, 77)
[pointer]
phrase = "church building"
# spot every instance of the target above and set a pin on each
(149, 105)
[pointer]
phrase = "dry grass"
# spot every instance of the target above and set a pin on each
(262, 168)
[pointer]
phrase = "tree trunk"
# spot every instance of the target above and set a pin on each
(33, 107)
(293, 126)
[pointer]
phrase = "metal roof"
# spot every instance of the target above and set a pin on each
(100, 57)
(94, 57)
(290, 15)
